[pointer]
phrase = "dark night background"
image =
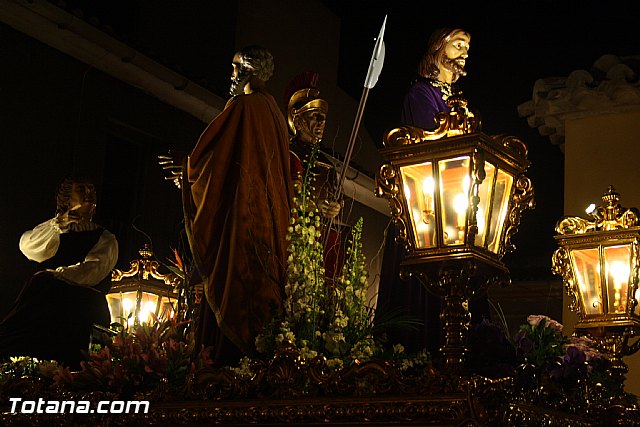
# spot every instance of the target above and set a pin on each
(513, 43)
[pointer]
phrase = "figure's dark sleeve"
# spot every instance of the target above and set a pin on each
(421, 104)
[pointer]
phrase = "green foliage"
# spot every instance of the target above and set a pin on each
(540, 341)
(330, 317)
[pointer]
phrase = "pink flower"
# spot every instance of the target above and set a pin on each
(535, 319)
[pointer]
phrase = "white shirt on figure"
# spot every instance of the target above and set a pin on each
(42, 243)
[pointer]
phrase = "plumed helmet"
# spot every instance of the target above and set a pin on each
(304, 100)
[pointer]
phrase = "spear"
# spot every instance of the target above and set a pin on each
(375, 67)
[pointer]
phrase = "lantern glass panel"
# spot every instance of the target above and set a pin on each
(617, 272)
(454, 198)
(148, 304)
(587, 268)
(499, 210)
(121, 305)
(419, 187)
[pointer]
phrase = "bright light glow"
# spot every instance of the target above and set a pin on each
(620, 273)
(428, 185)
(590, 208)
(146, 310)
(417, 216)
(466, 183)
(127, 305)
(449, 232)
(407, 192)
(421, 227)
(460, 203)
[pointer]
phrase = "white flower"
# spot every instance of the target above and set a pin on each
(335, 363)
(307, 353)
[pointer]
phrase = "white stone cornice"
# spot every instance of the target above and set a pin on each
(611, 86)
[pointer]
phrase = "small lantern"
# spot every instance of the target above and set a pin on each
(137, 293)
(598, 261)
(456, 196)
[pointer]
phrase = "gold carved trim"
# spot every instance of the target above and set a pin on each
(561, 266)
(459, 121)
(145, 268)
(523, 198)
(387, 187)
(611, 216)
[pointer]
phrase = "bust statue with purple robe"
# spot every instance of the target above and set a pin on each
(440, 67)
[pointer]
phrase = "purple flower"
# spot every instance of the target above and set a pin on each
(571, 366)
(524, 345)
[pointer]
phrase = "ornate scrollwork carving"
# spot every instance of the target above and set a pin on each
(561, 266)
(387, 187)
(403, 135)
(574, 225)
(458, 121)
(513, 143)
(611, 216)
(523, 198)
(145, 268)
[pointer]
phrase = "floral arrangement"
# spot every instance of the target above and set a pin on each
(136, 360)
(329, 317)
(547, 367)
(139, 360)
(540, 342)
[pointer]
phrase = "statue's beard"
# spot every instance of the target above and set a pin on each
(238, 84)
(455, 67)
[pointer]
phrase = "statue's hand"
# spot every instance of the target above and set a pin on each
(172, 167)
(64, 219)
(330, 209)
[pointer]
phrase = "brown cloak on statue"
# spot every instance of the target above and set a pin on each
(237, 205)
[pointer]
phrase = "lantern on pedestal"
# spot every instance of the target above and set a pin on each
(456, 196)
(598, 262)
(142, 290)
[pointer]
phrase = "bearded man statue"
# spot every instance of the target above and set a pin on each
(236, 190)
(440, 67)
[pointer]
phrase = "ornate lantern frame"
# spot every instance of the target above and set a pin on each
(463, 266)
(145, 281)
(606, 303)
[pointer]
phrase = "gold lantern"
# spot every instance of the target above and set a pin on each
(456, 196)
(142, 290)
(598, 262)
